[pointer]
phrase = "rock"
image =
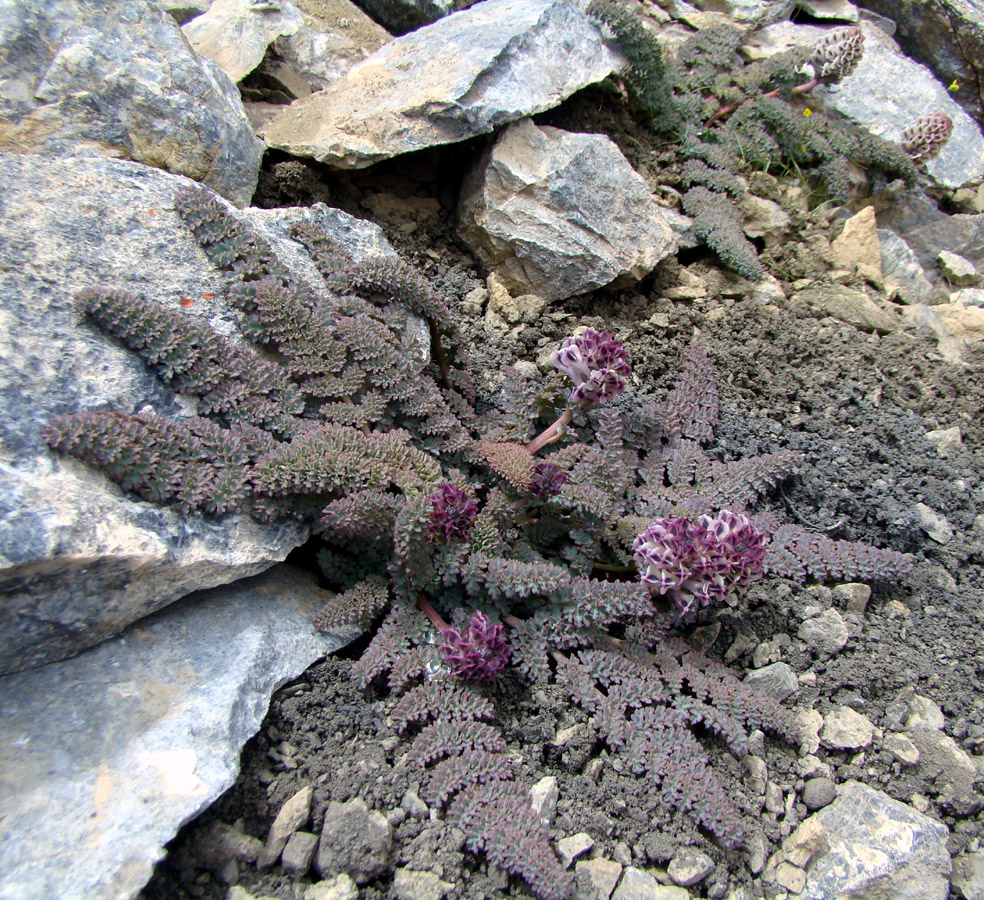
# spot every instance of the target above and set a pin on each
(871, 96)
(123, 744)
(791, 877)
(409, 884)
(235, 34)
(293, 815)
(947, 441)
(299, 853)
(818, 792)
(951, 769)
(557, 214)
(854, 307)
(543, 796)
(962, 321)
(857, 247)
(570, 848)
(845, 729)
(806, 842)
(463, 76)
(401, 16)
(934, 523)
(751, 12)
(901, 269)
(689, 866)
(968, 297)
(878, 848)
(825, 634)
(840, 10)
(341, 887)
(184, 10)
(951, 336)
(90, 79)
(758, 773)
(79, 559)
(957, 271)
(223, 844)
(596, 878)
(947, 36)
(639, 885)
(924, 713)
(763, 218)
(968, 875)
(810, 722)
(778, 680)
(355, 841)
(854, 595)
(902, 748)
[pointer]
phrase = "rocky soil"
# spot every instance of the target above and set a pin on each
(889, 681)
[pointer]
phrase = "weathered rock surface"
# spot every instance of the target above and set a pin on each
(947, 36)
(104, 756)
(750, 12)
(104, 79)
(889, 91)
(854, 307)
(235, 34)
(901, 269)
(878, 847)
(401, 16)
(464, 75)
(79, 559)
(557, 213)
(355, 841)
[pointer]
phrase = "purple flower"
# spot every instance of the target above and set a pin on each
(596, 363)
(479, 654)
(547, 480)
(452, 516)
(696, 563)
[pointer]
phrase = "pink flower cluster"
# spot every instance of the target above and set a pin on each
(696, 563)
(596, 363)
(547, 480)
(479, 654)
(452, 515)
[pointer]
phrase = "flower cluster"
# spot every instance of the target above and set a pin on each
(925, 137)
(698, 563)
(596, 363)
(452, 515)
(479, 654)
(547, 480)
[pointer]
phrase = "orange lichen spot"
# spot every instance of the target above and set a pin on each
(187, 301)
(152, 212)
(208, 296)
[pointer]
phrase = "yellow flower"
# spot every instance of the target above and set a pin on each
(954, 87)
(808, 112)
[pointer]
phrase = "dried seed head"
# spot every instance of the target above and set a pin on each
(925, 137)
(837, 53)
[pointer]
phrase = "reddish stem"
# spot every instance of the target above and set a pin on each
(731, 107)
(554, 433)
(423, 604)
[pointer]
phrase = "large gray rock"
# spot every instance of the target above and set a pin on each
(103, 757)
(749, 12)
(401, 16)
(880, 849)
(946, 35)
(235, 34)
(887, 92)
(901, 269)
(79, 559)
(464, 75)
(557, 214)
(102, 78)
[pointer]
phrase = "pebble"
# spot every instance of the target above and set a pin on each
(854, 595)
(902, 748)
(844, 729)
(924, 714)
(544, 797)
(826, 634)
(689, 867)
(341, 887)
(778, 680)
(597, 877)
(818, 792)
(299, 852)
(639, 885)
(791, 877)
(409, 884)
(294, 814)
(807, 841)
(570, 848)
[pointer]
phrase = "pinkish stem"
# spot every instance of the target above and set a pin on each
(423, 604)
(731, 107)
(554, 433)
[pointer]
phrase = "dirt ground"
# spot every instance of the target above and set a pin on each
(856, 404)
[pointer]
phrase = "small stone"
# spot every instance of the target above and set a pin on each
(947, 441)
(854, 595)
(409, 884)
(858, 247)
(958, 271)
(639, 885)
(222, 844)
(597, 877)
(845, 729)
(566, 735)
(773, 798)
(934, 524)
(902, 748)
(294, 814)
(806, 842)
(474, 302)
(777, 680)
(689, 867)
(765, 653)
(414, 806)
(341, 887)
(791, 877)
(968, 875)
(810, 722)
(758, 773)
(299, 852)
(354, 840)
(924, 714)
(818, 792)
(826, 634)
(757, 849)
(544, 797)
(570, 848)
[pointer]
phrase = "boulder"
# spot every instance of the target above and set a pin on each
(79, 559)
(887, 92)
(465, 75)
(104, 79)
(901, 269)
(401, 16)
(878, 847)
(854, 307)
(750, 12)
(557, 214)
(105, 756)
